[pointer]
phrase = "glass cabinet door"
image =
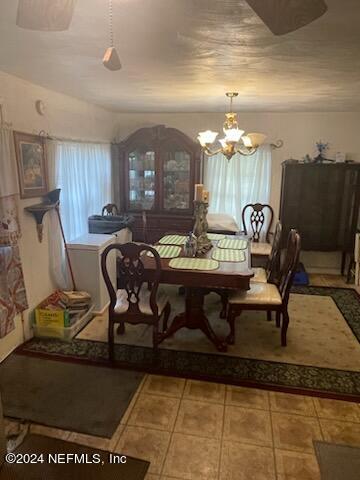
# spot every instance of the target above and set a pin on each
(141, 179)
(176, 179)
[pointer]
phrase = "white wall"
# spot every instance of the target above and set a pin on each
(65, 117)
(299, 131)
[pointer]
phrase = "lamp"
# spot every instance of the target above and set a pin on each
(234, 140)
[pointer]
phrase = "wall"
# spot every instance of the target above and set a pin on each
(64, 117)
(298, 130)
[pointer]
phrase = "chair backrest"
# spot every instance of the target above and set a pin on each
(110, 209)
(257, 219)
(131, 274)
(290, 264)
(273, 263)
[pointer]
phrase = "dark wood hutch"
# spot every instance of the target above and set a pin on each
(322, 201)
(157, 170)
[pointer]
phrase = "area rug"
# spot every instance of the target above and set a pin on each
(95, 464)
(322, 356)
(69, 396)
(337, 462)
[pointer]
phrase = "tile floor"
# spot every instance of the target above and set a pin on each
(191, 430)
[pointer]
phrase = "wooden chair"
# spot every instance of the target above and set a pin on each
(267, 296)
(271, 272)
(256, 224)
(110, 209)
(134, 303)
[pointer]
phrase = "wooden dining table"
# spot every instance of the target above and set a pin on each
(197, 283)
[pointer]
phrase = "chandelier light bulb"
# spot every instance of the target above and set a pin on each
(234, 140)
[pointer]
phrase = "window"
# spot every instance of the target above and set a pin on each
(83, 172)
(232, 184)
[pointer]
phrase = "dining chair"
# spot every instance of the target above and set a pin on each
(110, 209)
(267, 296)
(135, 303)
(270, 273)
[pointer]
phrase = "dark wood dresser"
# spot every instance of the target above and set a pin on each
(158, 168)
(322, 202)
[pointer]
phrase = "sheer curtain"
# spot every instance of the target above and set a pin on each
(233, 184)
(83, 172)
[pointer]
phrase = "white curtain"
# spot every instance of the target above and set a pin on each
(232, 184)
(83, 172)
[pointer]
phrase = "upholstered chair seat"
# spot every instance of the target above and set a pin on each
(260, 248)
(260, 275)
(259, 294)
(122, 304)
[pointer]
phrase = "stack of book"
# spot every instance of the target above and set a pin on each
(76, 303)
(62, 309)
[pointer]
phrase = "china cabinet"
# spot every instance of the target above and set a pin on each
(159, 167)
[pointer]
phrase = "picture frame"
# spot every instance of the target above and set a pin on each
(31, 164)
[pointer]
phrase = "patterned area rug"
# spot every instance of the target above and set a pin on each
(322, 356)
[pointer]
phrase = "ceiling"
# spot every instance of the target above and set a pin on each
(183, 55)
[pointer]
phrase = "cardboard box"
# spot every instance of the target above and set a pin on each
(51, 317)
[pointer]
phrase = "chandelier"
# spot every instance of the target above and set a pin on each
(234, 140)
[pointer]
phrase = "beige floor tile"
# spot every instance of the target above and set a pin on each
(289, 403)
(247, 397)
(49, 431)
(245, 462)
(192, 458)
(337, 409)
(296, 465)
(154, 411)
(205, 391)
(146, 444)
(295, 432)
(150, 476)
(341, 432)
(247, 425)
(200, 418)
(166, 386)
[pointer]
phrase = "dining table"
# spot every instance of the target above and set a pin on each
(228, 275)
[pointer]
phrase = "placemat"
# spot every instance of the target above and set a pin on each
(194, 263)
(228, 255)
(235, 244)
(216, 236)
(173, 240)
(166, 251)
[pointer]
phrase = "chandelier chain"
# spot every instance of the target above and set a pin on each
(111, 28)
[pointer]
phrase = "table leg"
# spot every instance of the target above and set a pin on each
(194, 317)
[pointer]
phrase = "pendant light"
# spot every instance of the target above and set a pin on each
(111, 58)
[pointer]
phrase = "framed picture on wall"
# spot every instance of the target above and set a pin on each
(31, 163)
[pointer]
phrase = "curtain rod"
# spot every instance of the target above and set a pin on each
(45, 135)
